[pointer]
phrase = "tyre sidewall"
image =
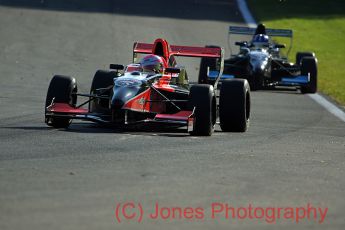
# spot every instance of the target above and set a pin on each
(62, 89)
(101, 79)
(309, 65)
(202, 98)
(234, 105)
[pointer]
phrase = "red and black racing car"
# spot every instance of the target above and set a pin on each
(154, 89)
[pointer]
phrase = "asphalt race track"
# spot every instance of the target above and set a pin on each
(293, 153)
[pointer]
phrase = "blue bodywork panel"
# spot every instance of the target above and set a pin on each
(212, 75)
(297, 80)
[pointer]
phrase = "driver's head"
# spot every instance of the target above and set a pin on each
(152, 64)
(260, 40)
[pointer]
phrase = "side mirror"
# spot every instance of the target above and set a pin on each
(241, 43)
(172, 70)
(116, 66)
(279, 46)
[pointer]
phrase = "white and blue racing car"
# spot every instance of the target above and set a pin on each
(262, 63)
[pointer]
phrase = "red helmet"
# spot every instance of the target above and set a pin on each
(152, 64)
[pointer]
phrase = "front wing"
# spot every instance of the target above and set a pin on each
(294, 80)
(180, 119)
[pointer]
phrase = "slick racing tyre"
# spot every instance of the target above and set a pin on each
(309, 66)
(204, 63)
(102, 79)
(202, 98)
(62, 89)
(234, 105)
(301, 55)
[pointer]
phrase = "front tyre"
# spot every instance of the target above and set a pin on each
(202, 98)
(234, 105)
(62, 89)
(309, 67)
(102, 79)
(301, 55)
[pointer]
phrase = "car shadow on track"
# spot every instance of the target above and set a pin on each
(84, 127)
(101, 129)
(28, 128)
(279, 90)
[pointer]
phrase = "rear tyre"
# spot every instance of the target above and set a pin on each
(102, 79)
(301, 55)
(309, 66)
(204, 63)
(62, 89)
(203, 99)
(234, 105)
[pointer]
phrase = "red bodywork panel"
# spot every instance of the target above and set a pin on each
(164, 84)
(139, 102)
(180, 116)
(66, 108)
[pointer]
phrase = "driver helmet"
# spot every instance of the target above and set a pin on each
(152, 64)
(260, 40)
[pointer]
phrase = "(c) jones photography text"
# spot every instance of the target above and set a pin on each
(218, 211)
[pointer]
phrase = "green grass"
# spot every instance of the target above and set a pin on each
(319, 26)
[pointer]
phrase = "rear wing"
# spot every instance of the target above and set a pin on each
(242, 30)
(269, 32)
(186, 51)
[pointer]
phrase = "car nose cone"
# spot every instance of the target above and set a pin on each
(122, 95)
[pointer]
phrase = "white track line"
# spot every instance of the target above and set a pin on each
(248, 18)
(329, 106)
(333, 109)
